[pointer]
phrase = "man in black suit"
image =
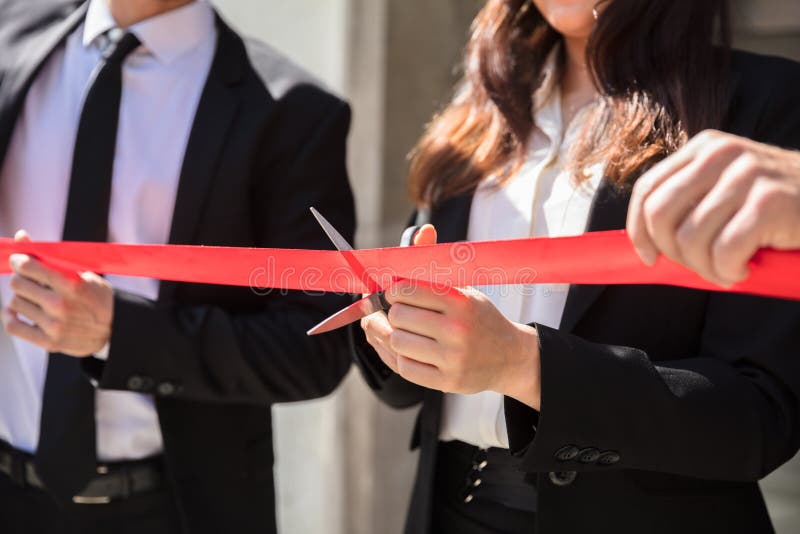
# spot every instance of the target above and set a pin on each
(154, 122)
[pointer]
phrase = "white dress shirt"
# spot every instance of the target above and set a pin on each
(162, 84)
(542, 199)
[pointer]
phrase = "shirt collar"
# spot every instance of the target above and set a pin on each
(547, 100)
(167, 36)
(547, 104)
(548, 88)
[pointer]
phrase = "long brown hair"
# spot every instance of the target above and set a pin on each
(660, 67)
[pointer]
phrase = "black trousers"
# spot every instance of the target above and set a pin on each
(501, 502)
(26, 510)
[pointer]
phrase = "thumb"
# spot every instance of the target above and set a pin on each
(425, 235)
(22, 235)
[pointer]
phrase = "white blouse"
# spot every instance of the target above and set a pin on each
(541, 199)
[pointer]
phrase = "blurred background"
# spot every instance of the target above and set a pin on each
(343, 463)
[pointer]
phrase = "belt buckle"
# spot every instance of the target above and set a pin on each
(94, 499)
(82, 499)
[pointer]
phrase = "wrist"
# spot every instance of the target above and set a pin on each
(523, 372)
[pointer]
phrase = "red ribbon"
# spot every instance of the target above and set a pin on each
(593, 258)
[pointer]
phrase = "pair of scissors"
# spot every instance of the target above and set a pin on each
(375, 301)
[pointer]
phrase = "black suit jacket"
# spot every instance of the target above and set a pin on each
(691, 396)
(267, 142)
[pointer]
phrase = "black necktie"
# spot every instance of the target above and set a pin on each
(66, 456)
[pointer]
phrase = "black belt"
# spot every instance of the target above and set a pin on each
(469, 473)
(114, 481)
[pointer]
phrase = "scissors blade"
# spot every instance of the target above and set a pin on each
(354, 312)
(333, 234)
(346, 250)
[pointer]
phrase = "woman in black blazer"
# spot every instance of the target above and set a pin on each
(628, 409)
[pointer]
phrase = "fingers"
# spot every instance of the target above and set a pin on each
(425, 235)
(378, 331)
(667, 207)
(419, 373)
(735, 245)
(697, 233)
(420, 348)
(393, 344)
(20, 329)
(422, 295)
(377, 325)
(22, 236)
(663, 198)
(417, 320)
(26, 308)
(651, 180)
(35, 270)
(391, 341)
(34, 292)
(760, 222)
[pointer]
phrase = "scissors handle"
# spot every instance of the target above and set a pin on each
(407, 240)
(381, 302)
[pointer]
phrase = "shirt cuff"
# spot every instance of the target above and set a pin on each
(102, 354)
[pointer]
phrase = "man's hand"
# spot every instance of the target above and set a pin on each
(66, 312)
(455, 341)
(714, 203)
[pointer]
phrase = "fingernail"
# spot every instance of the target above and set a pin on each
(15, 261)
(648, 256)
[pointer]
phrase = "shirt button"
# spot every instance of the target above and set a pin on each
(166, 389)
(562, 478)
(135, 383)
(588, 456)
(564, 454)
(609, 458)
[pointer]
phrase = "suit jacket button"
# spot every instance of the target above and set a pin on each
(135, 383)
(564, 454)
(562, 478)
(609, 458)
(588, 456)
(165, 389)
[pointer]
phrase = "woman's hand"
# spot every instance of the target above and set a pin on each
(455, 340)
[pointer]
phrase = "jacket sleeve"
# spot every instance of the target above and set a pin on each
(261, 355)
(728, 412)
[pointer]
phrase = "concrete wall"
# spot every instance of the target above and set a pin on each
(768, 26)
(343, 464)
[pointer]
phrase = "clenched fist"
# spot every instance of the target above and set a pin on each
(455, 340)
(70, 313)
(715, 202)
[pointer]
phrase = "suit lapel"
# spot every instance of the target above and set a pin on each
(216, 110)
(609, 211)
(32, 55)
